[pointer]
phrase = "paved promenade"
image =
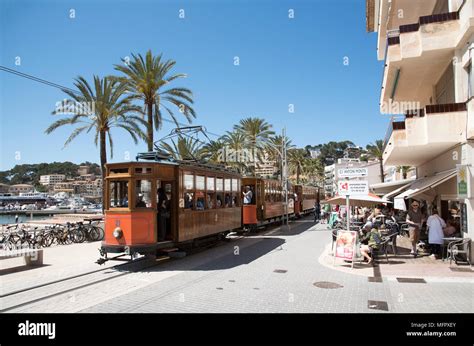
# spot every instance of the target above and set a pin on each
(274, 271)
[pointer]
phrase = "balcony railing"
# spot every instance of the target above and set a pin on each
(397, 124)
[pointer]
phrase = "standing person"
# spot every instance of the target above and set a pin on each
(414, 220)
(163, 213)
(435, 233)
(16, 218)
(248, 194)
(317, 211)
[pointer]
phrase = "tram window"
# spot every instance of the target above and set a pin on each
(143, 170)
(211, 194)
(143, 194)
(118, 170)
(118, 192)
(210, 184)
(188, 200)
(200, 182)
(189, 181)
(235, 193)
(227, 185)
(219, 194)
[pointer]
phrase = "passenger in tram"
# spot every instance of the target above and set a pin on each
(125, 201)
(163, 213)
(227, 200)
(219, 201)
(140, 202)
(248, 194)
(200, 204)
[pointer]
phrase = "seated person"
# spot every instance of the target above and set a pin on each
(219, 202)
(200, 204)
(227, 200)
(373, 239)
(140, 202)
(450, 230)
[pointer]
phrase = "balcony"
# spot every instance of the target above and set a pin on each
(425, 134)
(418, 53)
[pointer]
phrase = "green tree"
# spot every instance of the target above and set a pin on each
(296, 161)
(404, 170)
(183, 149)
(376, 151)
(148, 79)
(256, 132)
(99, 110)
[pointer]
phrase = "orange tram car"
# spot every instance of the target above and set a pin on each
(157, 205)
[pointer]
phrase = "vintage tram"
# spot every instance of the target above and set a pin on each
(154, 204)
(305, 199)
(267, 204)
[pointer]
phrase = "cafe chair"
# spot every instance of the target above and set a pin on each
(459, 247)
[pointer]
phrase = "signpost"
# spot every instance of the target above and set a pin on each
(352, 172)
(352, 188)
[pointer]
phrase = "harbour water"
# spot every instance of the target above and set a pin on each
(6, 219)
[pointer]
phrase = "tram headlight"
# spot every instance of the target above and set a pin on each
(117, 233)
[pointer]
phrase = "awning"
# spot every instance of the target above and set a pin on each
(382, 189)
(397, 191)
(422, 185)
(360, 201)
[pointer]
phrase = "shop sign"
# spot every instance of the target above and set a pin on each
(462, 176)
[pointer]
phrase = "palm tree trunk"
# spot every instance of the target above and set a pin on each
(150, 126)
(382, 177)
(103, 161)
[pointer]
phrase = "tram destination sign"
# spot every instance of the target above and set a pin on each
(353, 187)
(352, 172)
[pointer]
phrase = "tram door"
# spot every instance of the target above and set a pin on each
(165, 215)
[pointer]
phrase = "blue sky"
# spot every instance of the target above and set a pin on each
(283, 61)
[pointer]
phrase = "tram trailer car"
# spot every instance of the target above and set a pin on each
(201, 201)
(268, 202)
(306, 197)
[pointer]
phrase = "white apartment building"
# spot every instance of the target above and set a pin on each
(428, 78)
(331, 176)
(51, 179)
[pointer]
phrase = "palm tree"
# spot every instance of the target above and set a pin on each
(147, 79)
(314, 170)
(274, 147)
(235, 153)
(404, 170)
(100, 110)
(183, 149)
(296, 162)
(214, 151)
(376, 151)
(256, 132)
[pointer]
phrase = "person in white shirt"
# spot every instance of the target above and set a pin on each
(248, 195)
(435, 232)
